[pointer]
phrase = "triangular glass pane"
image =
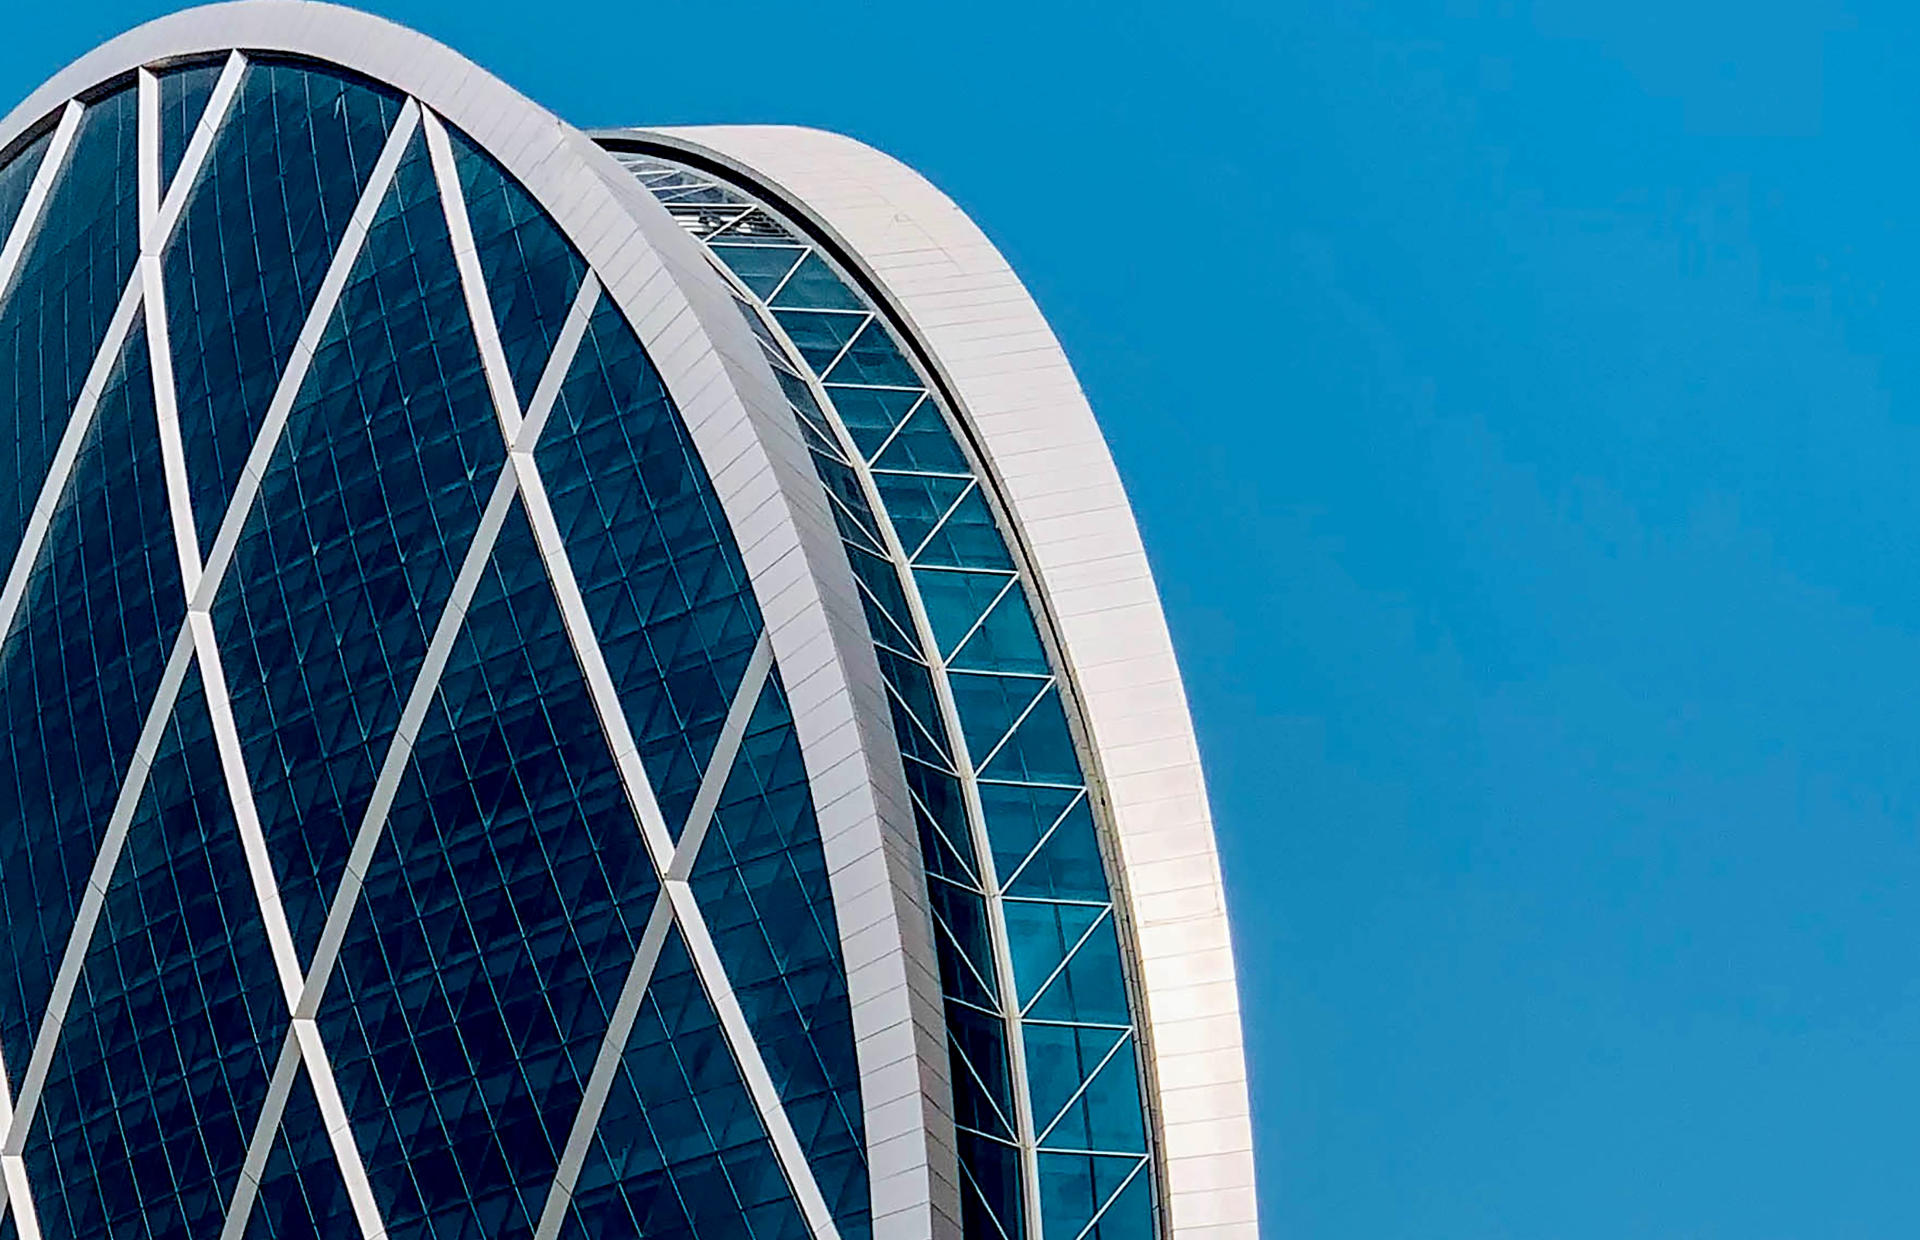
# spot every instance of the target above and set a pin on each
(301, 1194)
(506, 901)
(532, 272)
(64, 291)
(916, 503)
(955, 602)
(680, 1148)
(1068, 865)
(1018, 817)
(943, 858)
(760, 267)
(870, 414)
(874, 359)
(968, 539)
(78, 675)
(815, 286)
(1059, 1059)
(16, 179)
(177, 1017)
(258, 233)
(653, 553)
(1040, 936)
(1091, 988)
(915, 736)
(1008, 640)
(924, 445)
(184, 93)
(819, 334)
(990, 705)
(939, 797)
(966, 958)
(364, 515)
(1040, 751)
(880, 589)
(978, 1043)
(1074, 1187)
(1106, 1116)
(844, 486)
(989, 1189)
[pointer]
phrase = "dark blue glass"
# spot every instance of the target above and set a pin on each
(761, 880)
(78, 675)
(532, 273)
(497, 925)
(1074, 1187)
(262, 223)
(184, 92)
(56, 310)
(361, 523)
(17, 178)
(301, 1195)
(164, 1059)
(653, 554)
(680, 1152)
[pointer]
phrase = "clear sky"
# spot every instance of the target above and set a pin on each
(1522, 404)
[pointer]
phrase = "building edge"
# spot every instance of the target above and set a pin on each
(731, 405)
(979, 331)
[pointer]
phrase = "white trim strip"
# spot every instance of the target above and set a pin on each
(726, 749)
(473, 282)
(173, 452)
(586, 1121)
(260, 1144)
(175, 200)
(147, 147)
(301, 360)
(51, 165)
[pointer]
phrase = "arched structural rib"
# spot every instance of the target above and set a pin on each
(981, 333)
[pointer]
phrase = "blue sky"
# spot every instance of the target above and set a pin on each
(1522, 407)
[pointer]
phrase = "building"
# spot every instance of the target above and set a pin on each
(566, 685)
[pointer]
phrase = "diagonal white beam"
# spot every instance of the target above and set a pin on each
(726, 749)
(174, 201)
(52, 164)
(559, 366)
(466, 256)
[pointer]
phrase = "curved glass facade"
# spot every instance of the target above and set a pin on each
(405, 830)
(1048, 1091)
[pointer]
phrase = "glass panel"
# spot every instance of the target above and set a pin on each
(183, 99)
(1073, 1187)
(874, 359)
(819, 335)
(916, 503)
(259, 230)
(1059, 1059)
(350, 552)
(77, 677)
(1018, 817)
(1042, 936)
(989, 1189)
(989, 707)
(65, 290)
(1089, 989)
(924, 444)
(760, 880)
(498, 924)
(680, 1153)
(532, 272)
(955, 602)
(760, 267)
(1067, 867)
(17, 178)
(1008, 641)
(815, 286)
(163, 1062)
(870, 414)
(653, 554)
(1040, 751)
(968, 539)
(1106, 1115)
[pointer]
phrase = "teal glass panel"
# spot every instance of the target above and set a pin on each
(184, 92)
(916, 503)
(1042, 936)
(680, 1153)
(760, 267)
(923, 444)
(989, 706)
(1089, 989)
(532, 273)
(871, 414)
(984, 1085)
(814, 286)
(873, 358)
(1067, 866)
(1007, 640)
(1018, 817)
(1060, 1060)
(66, 288)
(967, 539)
(363, 517)
(956, 602)
(260, 229)
(78, 675)
(164, 1058)
(1040, 751)
(1106, 1114)
(819, 335)
(1075, 1187)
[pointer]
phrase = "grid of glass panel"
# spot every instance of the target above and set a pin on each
(1048, 1092)
(376, 890)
